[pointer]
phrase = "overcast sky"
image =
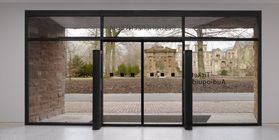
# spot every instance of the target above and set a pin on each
(223, 45)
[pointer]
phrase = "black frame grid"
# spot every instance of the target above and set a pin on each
(143, 13)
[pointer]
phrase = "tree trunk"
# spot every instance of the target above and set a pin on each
(114, 33)
(70, 66)
(113, 57)
(110, 51)
(201, 68)
(107, 54)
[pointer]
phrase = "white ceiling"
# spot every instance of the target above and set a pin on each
(143, 1)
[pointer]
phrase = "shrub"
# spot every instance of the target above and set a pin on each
(75, 66)
(78, 68)
(223, 72)
(122, 69)
(127, 70)
(137, 69)
(86, 70)
(133, 69)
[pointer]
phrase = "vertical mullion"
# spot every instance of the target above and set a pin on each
(183, 49)
(102, 27)
(97, 90)
(102, 83)
(183, 26)
(26, 59)
(259, 73)
(188, 105)
(142, 83)
(101, 32)
(102, 61)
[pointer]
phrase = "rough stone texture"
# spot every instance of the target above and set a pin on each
(46, 73)
(79, 85)
(160, 85)
(236, 61)
(44, 27)
(160, 59)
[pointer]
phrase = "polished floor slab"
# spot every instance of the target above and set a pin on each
(21, 132)
(213, 117)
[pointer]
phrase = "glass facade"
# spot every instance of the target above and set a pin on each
(143, 66)
(224, 83)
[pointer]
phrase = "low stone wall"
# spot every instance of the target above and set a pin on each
(162, 85)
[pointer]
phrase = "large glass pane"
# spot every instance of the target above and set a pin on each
(122, 83)
(51, 27)
(162, 83)
(142, 27)
(231, 27)
(224, 81)
(60, 81)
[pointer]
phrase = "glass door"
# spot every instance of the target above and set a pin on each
(224, 81)
(163, 83)
(122, 82)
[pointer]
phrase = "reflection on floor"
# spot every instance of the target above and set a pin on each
(71, 117)
(21, 132)
(214, 118)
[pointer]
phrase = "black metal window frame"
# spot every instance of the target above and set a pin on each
(144, 13)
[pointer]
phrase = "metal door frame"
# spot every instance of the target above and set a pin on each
(143, 13)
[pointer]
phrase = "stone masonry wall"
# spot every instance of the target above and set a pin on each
(160, 85)
(46, 72)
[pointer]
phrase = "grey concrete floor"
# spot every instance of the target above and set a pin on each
(19, 131)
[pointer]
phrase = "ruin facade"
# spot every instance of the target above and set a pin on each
(160, 61)
(237, 61)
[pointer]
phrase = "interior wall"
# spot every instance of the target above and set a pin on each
(12, 49)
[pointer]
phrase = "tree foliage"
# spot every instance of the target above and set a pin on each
(86, 70)
(223, 72)
(122, 69)
(128, 69)
(133, 69)
(79, 68)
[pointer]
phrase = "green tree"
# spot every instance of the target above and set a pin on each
(133, 69)
(136, 69)
(86, 70)
(223, 72)
(129, 69)
(122, 69)
(110, 50)
(76, 65)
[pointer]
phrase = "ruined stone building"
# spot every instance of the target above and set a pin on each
(160, 61)
(237, 61)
